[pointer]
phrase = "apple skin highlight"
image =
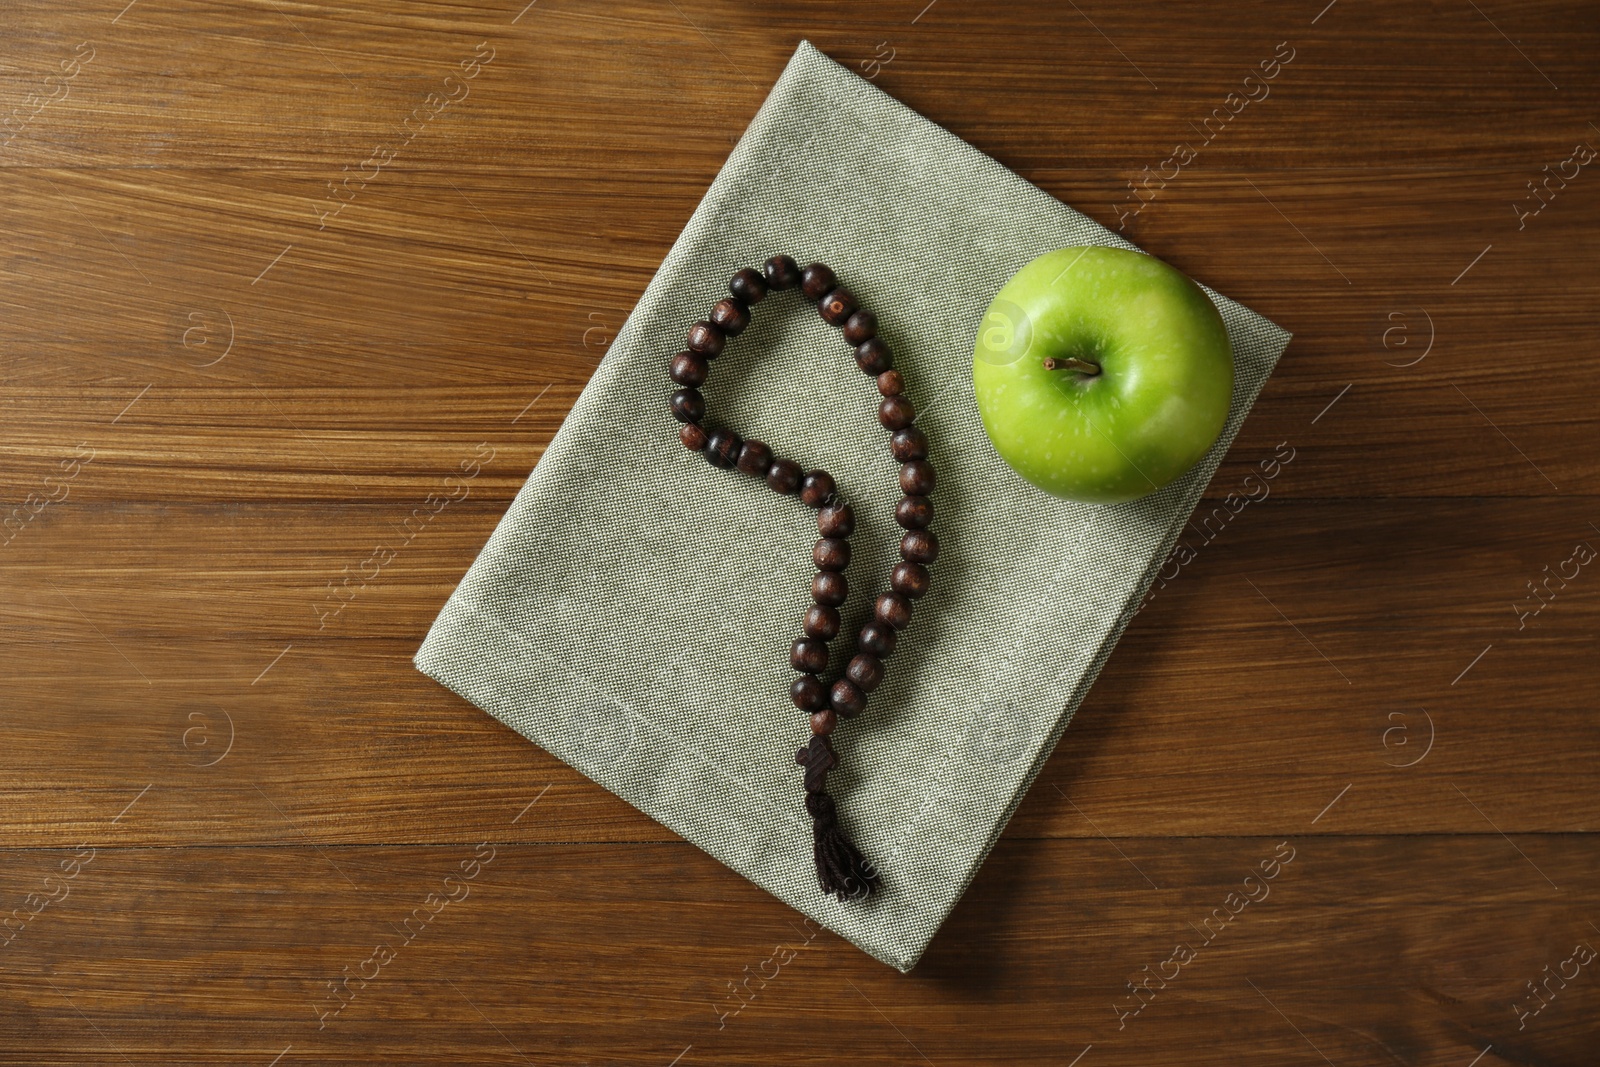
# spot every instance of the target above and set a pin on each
(1162, 393)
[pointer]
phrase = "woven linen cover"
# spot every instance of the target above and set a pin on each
(632, 613)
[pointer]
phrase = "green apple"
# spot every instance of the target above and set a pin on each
(1102, 374)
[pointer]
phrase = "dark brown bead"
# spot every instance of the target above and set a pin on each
(892, 609)
(817, 487)
(694, 437)
(866, 670)
(830, 588)
(809, 655)
(822, 622)
(688, 405)
(782, 272)
(909, 444)
(877, 639)
(917, 478)
(809, 693)
(890, 383)
(914, 512)
(896, 412)
(748, 285)
(722, 450)
(919, 546)
(861, 327)
(909, 579)
(874, 356)
(831, 554)
(730, 316)
(755, 458)
(784, 476)
(837, 307)
(847, 698)
(706, 339)
(689, 368)
(816, 280)
(836, 520)
(824, 721)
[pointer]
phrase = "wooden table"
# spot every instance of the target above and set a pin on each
(239, 348)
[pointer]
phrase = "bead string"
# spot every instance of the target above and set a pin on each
(841, 869)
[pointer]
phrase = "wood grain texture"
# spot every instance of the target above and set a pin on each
(224, 792)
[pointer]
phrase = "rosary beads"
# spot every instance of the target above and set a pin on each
(841, 869)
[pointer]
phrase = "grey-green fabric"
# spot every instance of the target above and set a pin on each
(632, 613)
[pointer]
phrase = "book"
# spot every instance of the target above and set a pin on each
(632, 613)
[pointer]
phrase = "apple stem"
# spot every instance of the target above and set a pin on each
(1072, 363)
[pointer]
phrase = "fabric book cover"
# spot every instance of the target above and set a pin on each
(632, 613)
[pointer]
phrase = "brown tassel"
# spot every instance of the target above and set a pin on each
(841, 869)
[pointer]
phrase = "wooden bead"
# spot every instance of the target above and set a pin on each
(816, 488)
(782, 272)
(919, 546)
(890, 383)
(831, 554)
(824, 721)
(914, 512)
(784, 476)
(909, 444)
(722, 450)
(830, 588)
(822, 622)
(909, 580)
(816, 280)
(847, 698)
(896, 412)
(688, 405)
(861, 327)
(866, 670)
(917, 478)
(809, 693)
(730, 316)
(837, 307)
(874, 357)
(836, 520)
(877, 639)
(755, 458)
(748, 285)
(809, 655)
(706, 339)
(689, 368)
(893, 610)
(694, 437)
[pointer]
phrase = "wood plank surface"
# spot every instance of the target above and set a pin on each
(228, 802)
